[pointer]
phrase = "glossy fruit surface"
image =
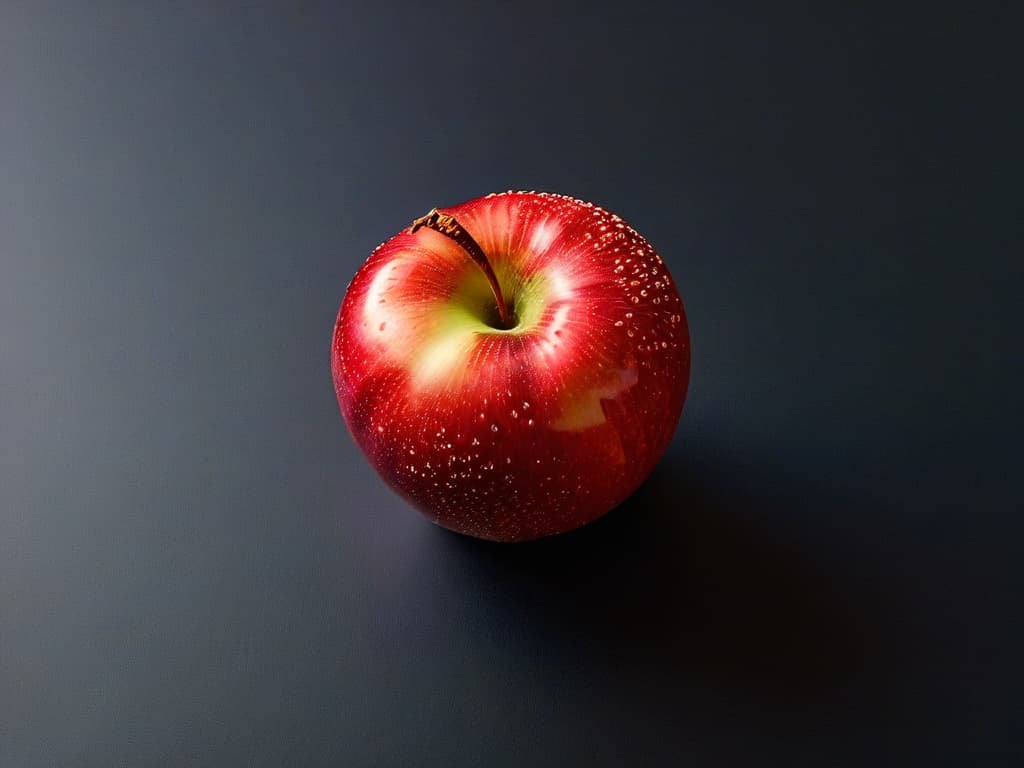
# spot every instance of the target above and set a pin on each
(513, 434)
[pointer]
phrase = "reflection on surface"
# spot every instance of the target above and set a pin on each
(584, 410)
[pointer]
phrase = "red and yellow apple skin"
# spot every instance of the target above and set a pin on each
(514, 434)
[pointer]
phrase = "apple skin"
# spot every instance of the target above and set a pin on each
(515, 434)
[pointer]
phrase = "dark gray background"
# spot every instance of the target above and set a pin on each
(197, 567)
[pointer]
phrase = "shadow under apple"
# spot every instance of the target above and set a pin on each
(705, 576)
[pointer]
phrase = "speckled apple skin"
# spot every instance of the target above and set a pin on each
(512, 435)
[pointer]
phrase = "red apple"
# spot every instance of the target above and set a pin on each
(513, 366)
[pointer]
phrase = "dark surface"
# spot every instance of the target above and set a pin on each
(198, 568)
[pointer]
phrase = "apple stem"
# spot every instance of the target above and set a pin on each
(449, 227)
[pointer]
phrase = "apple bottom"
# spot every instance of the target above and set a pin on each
(517, 480)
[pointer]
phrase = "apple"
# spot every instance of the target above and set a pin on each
(514, 366)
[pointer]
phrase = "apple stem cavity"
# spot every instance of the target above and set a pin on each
(450, 228)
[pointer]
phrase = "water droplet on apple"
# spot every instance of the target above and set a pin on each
(494, 427)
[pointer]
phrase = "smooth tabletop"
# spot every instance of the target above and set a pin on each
(198, 567)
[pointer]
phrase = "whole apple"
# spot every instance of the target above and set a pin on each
(513, 366)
